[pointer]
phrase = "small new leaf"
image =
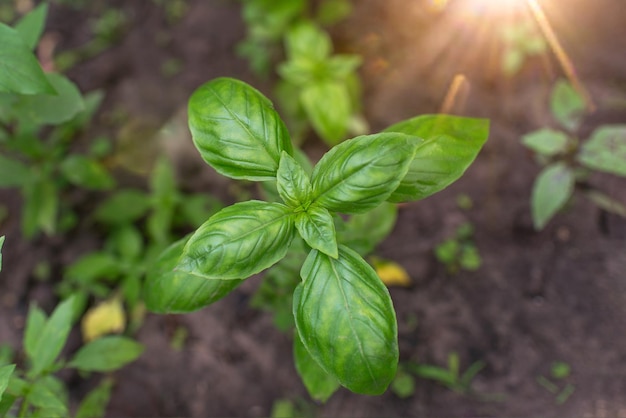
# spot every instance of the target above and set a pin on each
(552, 189)
(237, 130)
(292, 182)
(239, 241)
(317, 228)
(346, 321)
(361, 173)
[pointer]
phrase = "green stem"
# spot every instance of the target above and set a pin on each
(23, 408)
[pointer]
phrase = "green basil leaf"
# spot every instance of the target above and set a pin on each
(346, 321)
(5, 374)
(127, 242)
(239, 241)
(106, 354)
(317, 228)
(237, 130)
(360, 173)
(95, 403)
(318, 382)
(6, 403)
(19, 70)
(86, 172)
(35, 323)
(307, 41)
(43, 396)
(451, 145)
(606, 150)
(293, 184)
(363, 232)
(48, 109)
(547, 142)
(172, 291)
(31, 26)
(124, 206)
(52, 338)
(93, 266)
(331, 12)
(341, 66)
(567, 105)
(41, 207)
(13, 173)
(327, 105)
(551, 191)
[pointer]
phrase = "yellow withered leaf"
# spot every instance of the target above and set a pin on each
(107, 317)
(392, 274)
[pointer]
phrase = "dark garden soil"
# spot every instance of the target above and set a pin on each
(539, 297)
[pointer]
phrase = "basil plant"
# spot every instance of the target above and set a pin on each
(346, 329)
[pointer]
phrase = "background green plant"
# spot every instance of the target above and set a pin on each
(35, 390)
(451, 377)
(568, 161)
(345, 322)
(317, 89)
(459, 252)
(40, 117)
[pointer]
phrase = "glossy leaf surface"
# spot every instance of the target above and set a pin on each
(551, 191)
(239, 241)
(346, 321)
(606, 150)
(360, 173)
(292, 182)
(237, 130)
(317, 228)
(19, 70)
(450, 145)
(172, 291)
(106, 354)
(320, 384)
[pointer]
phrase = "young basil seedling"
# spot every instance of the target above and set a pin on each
(344, 317)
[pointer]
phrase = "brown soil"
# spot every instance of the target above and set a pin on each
(539, 297)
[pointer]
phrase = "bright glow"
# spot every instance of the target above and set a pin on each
(494, 7)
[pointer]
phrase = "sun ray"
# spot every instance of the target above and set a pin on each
(566, 63)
